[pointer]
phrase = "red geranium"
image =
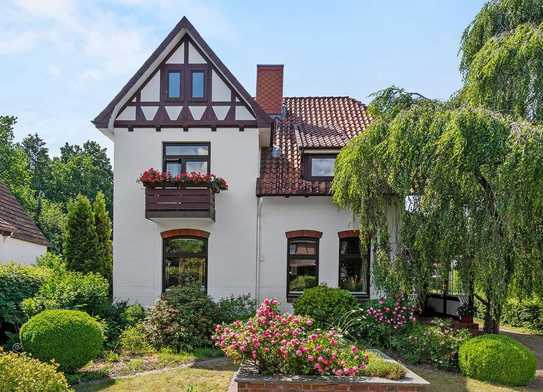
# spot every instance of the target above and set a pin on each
(153, 178)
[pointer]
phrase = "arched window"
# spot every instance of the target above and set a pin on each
(354, 264)
(302, 261)
(184, 258)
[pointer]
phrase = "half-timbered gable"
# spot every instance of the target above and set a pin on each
(183, 84)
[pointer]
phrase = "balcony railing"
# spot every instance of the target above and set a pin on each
(179, 203)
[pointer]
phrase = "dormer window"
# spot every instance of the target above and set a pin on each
(198, 84)
(320, 166)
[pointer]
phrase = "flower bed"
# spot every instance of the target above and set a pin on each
(153, 178)
(277, 349)
(248, 379)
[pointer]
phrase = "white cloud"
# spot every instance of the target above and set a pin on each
(16, 42)
(54, 71)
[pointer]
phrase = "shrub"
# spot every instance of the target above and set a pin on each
(52, 261)
(236, 308)
(325, 305)
(525, 314)
(116, 318)
(378, 367)
(277, 343)
(378, 321)
(133, 340)
(497, 358)
(182, 319)
(19, 372)
(18, 282)
(437, 344)
(70, 290)
(70, 337)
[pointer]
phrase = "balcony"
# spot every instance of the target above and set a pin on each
(168, 202)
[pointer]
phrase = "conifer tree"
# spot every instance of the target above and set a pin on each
(102, 225)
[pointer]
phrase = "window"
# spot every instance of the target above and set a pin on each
(303, 264)
(175, 84)
(186, 158)
(198, 84)
(354, 267)
(184, 262)
(320, 166)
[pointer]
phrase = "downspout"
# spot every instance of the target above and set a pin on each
(259, 203)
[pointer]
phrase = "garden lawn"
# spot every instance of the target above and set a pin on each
(209, 377)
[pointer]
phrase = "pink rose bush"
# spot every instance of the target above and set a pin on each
(280, 343)
(396, 315)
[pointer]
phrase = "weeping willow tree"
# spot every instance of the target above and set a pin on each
(473, 183)
(502, 59)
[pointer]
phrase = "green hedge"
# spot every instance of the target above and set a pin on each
(497, 358)
(19, 373)
(70, 290)
(326, 306)
(18, 282)
(69, 337)
(526, 314)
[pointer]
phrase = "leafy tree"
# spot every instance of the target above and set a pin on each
(81, 170)
(51, 219)
(502, 58)
(103, 232)
(14, 167)
(474, 186)
(81, 247)
(39, 162)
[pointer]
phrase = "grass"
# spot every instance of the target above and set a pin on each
(199, 378)
(442, 381)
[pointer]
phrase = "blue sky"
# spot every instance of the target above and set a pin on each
(62, 61)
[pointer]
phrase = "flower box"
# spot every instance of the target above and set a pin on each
(153, 178)
(247, 379)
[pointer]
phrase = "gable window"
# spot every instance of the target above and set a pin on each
(184, 262)
(302, 262)
(198, 84)
(186, 158)
(175, 83)
(354, 265)
(320, 166)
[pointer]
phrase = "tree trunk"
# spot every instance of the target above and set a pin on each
(491, 325)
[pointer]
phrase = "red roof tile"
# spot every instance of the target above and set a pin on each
(310, 123)
(14, 220)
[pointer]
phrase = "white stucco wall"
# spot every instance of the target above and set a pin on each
(137, 244)
(280, 215)
(22, 252)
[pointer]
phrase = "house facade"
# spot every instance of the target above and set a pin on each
(275, 231)
(21, 241)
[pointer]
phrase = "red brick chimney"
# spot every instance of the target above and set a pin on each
(269, 88)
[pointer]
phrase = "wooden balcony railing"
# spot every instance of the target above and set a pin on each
(179, 203)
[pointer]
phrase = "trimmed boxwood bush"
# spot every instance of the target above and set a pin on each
(69, 337)
(497, 358)
(18, 372)
(183, 319)
(325, 305)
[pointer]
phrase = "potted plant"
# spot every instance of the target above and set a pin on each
(466, 312)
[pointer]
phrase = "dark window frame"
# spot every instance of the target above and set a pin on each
(291, 296)
(351, 257)
(193, 70)
(184, 158)
(165, 83)
(204, 255)
(308, 158)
